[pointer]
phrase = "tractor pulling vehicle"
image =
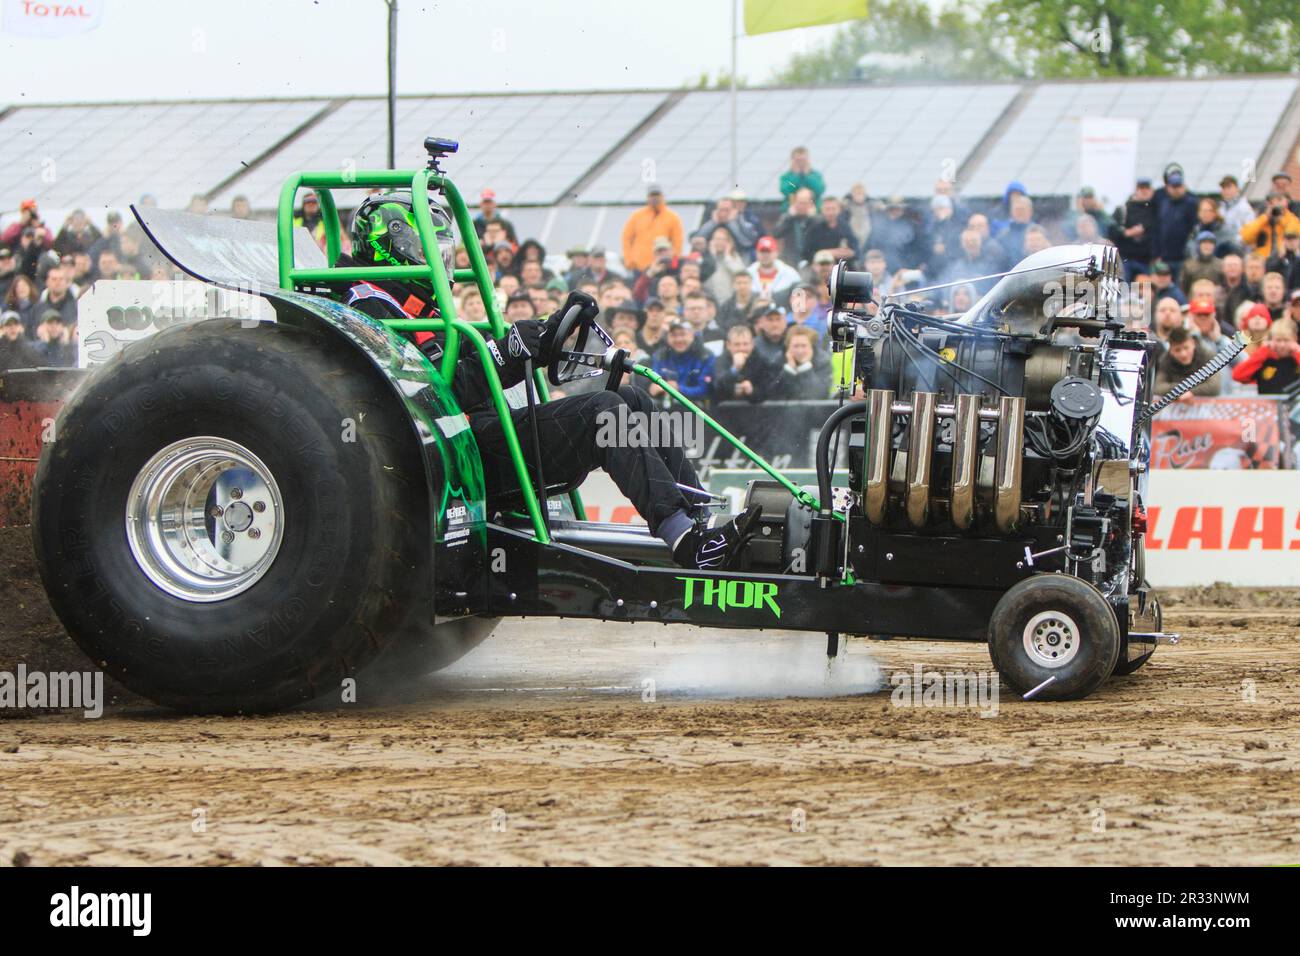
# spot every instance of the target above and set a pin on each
(237, 515)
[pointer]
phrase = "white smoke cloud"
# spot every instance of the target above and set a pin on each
(786, 665)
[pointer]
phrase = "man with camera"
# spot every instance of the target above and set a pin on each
(29, 218)
(1267, 233)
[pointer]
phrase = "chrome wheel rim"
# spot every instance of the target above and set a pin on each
(204, 519)
(1051, 639)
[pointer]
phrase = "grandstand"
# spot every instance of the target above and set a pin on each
(569, 166)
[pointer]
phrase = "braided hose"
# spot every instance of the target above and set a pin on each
(1206, 371)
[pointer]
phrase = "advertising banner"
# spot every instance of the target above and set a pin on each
(1108, 157)
(29, 18)
(115, 312)
(1208, 526)
(1228, 432)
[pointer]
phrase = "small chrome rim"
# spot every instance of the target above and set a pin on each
(1051, 639)
(204, 519)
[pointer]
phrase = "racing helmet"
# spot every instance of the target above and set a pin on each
(384, 232)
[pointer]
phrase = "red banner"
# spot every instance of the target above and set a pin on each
(1229, 433)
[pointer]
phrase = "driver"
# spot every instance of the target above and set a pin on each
(384, 232)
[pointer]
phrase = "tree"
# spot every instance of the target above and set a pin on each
(997, 39)
(905, 40)
(1080, 38)
(719, 81)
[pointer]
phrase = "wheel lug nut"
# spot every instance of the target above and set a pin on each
(216, 511)
(236, 493)
(227, 536)
(259, 506)
(254, 533)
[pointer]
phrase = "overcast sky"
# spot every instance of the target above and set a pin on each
(154, 49)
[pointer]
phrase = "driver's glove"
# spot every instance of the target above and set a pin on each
(525, 339)
(576, 297)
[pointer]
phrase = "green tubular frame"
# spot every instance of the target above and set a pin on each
(799, 493)
(434, 273)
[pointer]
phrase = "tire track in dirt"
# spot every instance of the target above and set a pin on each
(1174, 765)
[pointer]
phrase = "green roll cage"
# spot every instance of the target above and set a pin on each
(419, 182)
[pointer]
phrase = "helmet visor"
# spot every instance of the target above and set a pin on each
(404, 242)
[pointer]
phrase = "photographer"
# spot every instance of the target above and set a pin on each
(665, 263)
(33, 243)
(29, 217)
(1266, 235)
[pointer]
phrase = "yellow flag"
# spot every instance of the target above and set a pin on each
(769, 16)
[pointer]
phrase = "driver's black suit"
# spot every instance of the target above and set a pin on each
(568, 428)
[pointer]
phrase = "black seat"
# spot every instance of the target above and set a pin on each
(512, 499)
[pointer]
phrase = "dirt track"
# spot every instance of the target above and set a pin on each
(538, 748)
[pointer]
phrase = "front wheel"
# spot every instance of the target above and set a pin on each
(231, 519)
(1054, 632)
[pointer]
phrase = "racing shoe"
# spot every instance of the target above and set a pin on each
(710, 547)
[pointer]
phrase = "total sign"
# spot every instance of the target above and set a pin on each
(1241, 528)
(31, 18)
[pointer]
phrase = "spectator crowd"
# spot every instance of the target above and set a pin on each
(735, 308)
(44, 271)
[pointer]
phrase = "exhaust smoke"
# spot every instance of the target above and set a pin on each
(783, 665)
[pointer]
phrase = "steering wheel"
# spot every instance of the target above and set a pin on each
(565, 365)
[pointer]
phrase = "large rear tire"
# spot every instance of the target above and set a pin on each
(233, 519)
(1054, 627)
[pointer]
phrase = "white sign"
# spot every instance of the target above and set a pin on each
(1108, 157)
(604, 502)
(115, 312)
(28, 18)
(1240, 527)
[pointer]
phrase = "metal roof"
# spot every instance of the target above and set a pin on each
(528, 148)
(107, 156)
(1212, 127)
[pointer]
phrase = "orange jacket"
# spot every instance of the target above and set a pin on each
(1265, 236)
(642, 229)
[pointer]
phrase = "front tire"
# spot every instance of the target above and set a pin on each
(232, 519)
(1054, 627)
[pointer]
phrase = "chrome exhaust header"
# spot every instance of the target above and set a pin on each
(965, 446)
(913, 469)
(1009, 462)
(880, 427)
(920, 447)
